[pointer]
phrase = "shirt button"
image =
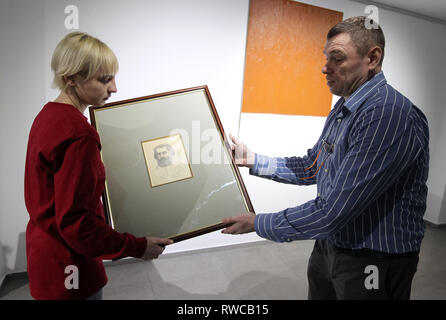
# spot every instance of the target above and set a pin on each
(339, 120)
(319, 194)
(326, 170)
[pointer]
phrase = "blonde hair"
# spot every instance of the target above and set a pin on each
(79, 53)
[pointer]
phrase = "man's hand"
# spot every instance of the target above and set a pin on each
(243, 223)
(243, 157)
(155, 246)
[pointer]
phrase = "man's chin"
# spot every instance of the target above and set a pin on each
(335, 92)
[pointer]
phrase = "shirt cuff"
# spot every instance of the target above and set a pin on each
(275, 227)
(263, 166)
(264, 227)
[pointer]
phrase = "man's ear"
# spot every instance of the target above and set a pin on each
(374, 56)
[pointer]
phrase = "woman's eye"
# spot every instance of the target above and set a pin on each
(106, 79)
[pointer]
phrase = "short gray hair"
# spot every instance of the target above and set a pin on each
(364, 34)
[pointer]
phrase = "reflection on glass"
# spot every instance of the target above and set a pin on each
(153, 187)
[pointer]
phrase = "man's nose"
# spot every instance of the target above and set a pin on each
(325, 69)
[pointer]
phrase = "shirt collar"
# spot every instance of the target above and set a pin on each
(365, 91)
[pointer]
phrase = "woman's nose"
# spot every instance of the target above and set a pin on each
(113, 87)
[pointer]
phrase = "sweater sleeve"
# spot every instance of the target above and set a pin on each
(79, 182)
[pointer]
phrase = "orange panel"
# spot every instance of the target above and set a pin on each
(284, 58)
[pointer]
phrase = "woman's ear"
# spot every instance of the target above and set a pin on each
(70, 81)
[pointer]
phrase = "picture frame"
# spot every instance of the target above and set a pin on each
(166, 160)
(170, 172)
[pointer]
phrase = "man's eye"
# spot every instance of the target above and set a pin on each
(337, 59)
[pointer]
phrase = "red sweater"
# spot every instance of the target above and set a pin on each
(64, 180)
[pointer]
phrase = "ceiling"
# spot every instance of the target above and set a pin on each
(430, 8)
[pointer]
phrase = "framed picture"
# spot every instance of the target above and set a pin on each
(166, 160)
(169, 169)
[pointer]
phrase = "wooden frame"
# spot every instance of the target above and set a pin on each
(208, 187)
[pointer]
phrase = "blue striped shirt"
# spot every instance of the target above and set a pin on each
(370, 165)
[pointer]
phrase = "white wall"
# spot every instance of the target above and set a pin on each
(168, 45)
(21, 97)
(437, 182)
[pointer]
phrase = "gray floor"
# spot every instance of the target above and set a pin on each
(257, 271)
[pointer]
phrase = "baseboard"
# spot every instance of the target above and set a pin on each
(188, 252)
(15, 276)
(435, 225)
(127, 260)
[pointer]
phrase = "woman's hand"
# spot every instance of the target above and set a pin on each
(155, 247)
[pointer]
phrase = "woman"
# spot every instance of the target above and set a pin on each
(67, 237)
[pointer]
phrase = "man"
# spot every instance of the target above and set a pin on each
(170, 167)
(370, 166)
(163, 154)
